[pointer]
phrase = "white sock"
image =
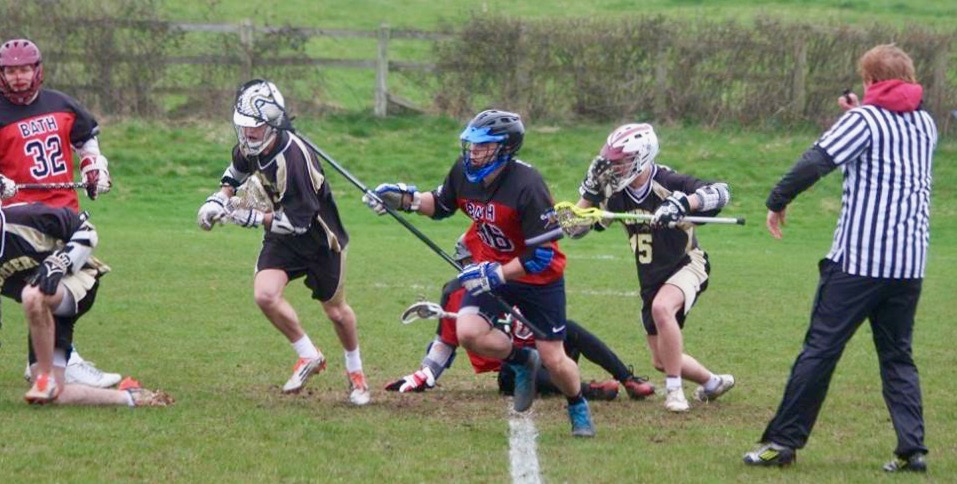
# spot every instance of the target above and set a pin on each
(712, 383)
(129, 399)
(59, 358)
(305, 349)
(672, 382)
(353, 360)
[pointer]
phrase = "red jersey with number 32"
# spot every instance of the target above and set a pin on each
(36, 145)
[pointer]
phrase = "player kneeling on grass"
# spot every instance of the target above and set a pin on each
(518, 263)
(672, 269)
(45, 264)
(578, 342)
(304, 235)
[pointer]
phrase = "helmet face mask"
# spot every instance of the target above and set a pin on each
(631, 149)
(18, 53)
(258, 115)
(499, 129)
(462, 255)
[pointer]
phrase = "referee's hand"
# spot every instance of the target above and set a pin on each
(775, 221)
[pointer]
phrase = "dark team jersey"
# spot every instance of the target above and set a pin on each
(510, 217)
(36, 145)
(293, 178)
(31, 232)
(659, 253)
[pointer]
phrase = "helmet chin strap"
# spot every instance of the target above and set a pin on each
(477, 175)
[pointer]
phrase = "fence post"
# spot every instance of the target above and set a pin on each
(382, 73)
(248, 42)
(799, 78)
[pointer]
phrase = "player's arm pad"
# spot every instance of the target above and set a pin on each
(811, 167)
(89, 149)
(281, 225)
(80, 246)
(233, 177)
(713, 197)
(537, 259)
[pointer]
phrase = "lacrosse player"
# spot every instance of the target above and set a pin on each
(39, 131)
(516, 255)
(578, 342)
(672, 269)
(304, 235)
(45, 264)
(875, 268)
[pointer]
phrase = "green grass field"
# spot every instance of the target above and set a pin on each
(177, 313)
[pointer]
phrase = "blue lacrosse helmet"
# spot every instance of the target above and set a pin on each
(491, 126)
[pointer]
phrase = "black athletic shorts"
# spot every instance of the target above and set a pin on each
(306, 255)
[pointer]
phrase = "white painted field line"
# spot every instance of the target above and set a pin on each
(522, 448)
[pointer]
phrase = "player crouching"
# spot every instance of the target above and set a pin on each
(45, 264)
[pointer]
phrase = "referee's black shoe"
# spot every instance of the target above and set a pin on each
(914, 463)
(769, 454)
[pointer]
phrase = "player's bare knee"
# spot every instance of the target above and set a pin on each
(339, 314)
(34, 301)
(266, 298)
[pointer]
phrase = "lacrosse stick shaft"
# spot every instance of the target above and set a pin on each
(51, 186)
(689, 218)
(408, 225)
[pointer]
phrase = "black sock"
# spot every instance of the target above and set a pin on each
(518, 356)
(576, 399)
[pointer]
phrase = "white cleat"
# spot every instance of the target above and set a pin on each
(675, 401)
(85, 373)
(359, 393)
(301, 371)
(727, 383)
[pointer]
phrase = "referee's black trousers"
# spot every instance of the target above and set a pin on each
(842, 303)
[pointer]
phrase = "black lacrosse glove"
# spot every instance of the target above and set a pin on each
(48, 275)
(672, 210)
(596, 186)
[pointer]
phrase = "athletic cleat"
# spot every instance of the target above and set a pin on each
(638, 388)
(359, 393)
(702, 395)
(769, 454)
(915, 463)
(303, 369)
(148, 398)
(675, 401)
(85, 373)
(580, 416)
(43, 391)
(525, 376)
(605, 390)
(129, 383)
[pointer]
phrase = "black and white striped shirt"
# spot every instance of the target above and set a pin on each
(886, 157)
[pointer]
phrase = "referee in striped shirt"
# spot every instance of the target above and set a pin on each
(876, 263)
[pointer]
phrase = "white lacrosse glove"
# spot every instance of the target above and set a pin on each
(245, 217)
(212, 211)
(672, 210)
(8, 188)
(482, 277)
(397, 196)
(95, 174)
(419, 381)
(596, 187)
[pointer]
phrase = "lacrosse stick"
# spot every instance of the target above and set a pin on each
(51, 186)
(425, 310)
(570, 215)
(250, 194)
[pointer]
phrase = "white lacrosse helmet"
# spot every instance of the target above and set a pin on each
(461, 251)
(630, 148)
(258, 103)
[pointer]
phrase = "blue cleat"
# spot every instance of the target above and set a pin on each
(525, 376)
(580, 416)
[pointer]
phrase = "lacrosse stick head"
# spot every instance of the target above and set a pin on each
(16, 53)
(630, 148)
(258, 115)
(252, 194)
(576, 221)
(423, 310)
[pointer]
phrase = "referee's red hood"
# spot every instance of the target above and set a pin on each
(894, 95)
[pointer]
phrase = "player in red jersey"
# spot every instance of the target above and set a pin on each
(39, 130)
(578, 342)
(517, 259)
